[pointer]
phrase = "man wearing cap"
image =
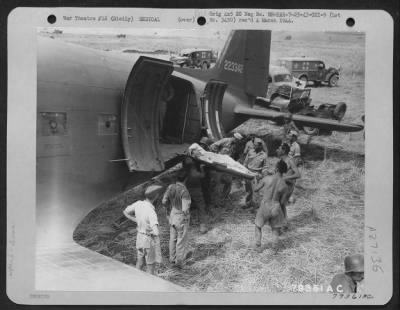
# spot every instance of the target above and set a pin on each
(255, 161)
(178, 198)
(294, 145)
(147, 241)
(347, 282)
(227, 145)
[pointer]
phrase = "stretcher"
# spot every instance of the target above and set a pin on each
(220, 162)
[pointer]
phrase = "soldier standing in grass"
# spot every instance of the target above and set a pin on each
(270, 211)
(210, 181)
(147, 241)
(347, 282)
(255, 161)
(194, 183)
(178, 197)
(291, 176)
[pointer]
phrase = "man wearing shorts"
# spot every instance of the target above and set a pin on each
(270, 211)
(147, 241)
(290, 176)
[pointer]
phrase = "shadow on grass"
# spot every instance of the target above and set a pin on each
(202, 251)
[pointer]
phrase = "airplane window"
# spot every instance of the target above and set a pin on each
(107, 124)
(53, 123)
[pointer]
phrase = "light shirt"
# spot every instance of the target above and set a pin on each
(254, 160)
(294, 150)
(145, 214)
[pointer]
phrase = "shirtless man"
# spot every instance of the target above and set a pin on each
(270, 211)
(290, 177)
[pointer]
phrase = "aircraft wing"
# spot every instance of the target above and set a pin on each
(300, 120)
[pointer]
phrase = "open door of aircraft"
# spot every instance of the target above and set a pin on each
(212, 108)
(140, 114)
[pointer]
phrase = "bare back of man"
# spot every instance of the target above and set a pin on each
(270, 211)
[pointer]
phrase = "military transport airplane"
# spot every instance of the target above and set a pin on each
(98, 134)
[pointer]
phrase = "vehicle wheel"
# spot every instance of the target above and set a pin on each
(304, 79)
(204, 66)
(333, 80)
(312, 131)
(340, 111)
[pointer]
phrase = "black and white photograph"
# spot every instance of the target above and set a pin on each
(244, 150)
(203, 160)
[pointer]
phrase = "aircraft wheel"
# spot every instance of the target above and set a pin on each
(333, 80)
(312, 131)
(340, 111)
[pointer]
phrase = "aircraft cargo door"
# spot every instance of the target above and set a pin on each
(212, 108)
(140, 113)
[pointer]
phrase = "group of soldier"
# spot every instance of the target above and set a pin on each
(207, 188)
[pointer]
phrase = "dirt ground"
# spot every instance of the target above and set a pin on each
(326, 220)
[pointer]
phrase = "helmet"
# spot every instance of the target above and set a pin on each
(354, 263)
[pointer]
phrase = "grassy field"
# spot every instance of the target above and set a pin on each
(326, 220)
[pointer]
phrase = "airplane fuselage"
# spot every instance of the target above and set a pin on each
(80, 156)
